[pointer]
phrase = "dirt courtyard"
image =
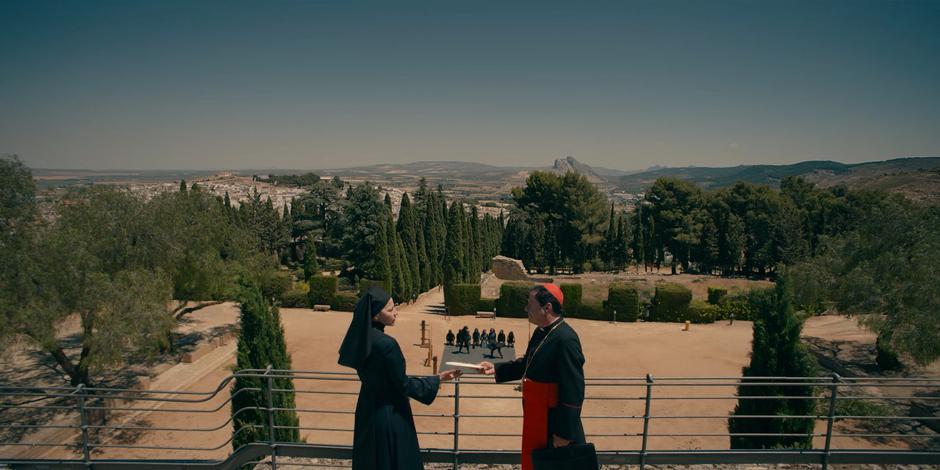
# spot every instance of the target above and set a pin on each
(611, 350)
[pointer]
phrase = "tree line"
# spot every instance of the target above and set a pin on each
(130, 268)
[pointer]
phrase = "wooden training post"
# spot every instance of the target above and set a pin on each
(425, 335)
(431, 358)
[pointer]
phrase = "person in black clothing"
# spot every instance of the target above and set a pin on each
(511, 339)
(552, 361)
(476, 338)
(450, 338)
(463, 340)
(493, 344)
(384, 437)
(501, 337)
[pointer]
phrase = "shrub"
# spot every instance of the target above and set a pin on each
(739, 305)
(462, 299)
(625, 299)
(486, 305)
(365, 284)
(590, 311)
(513, 297)
(715, 294)
(344, 302)
(274, 284)
(295, 298)
(701, 312)
(322, 290)
(885, 356)
(776, 352)
(572, 293)
(670, 303)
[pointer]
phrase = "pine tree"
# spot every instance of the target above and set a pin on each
(182, 186)
(777, 352)
(261, 344)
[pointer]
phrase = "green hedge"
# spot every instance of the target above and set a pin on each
(572, 293)
(365, 284)
(702, 312)
(715, 294)
(589, 311)
(274, 284)
(625, 299)
(344, 302)
(462, 299)
(486, 305)
(739, 305)
(513, 298)
(670, 303)
(295, 298)
(322, 290)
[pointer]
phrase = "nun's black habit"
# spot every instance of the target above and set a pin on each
(385, 436)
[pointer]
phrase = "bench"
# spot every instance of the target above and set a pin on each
(486, 315)
(321, 308)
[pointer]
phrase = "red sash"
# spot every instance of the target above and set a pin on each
(537, 398)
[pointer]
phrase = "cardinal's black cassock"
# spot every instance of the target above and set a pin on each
(552, 373)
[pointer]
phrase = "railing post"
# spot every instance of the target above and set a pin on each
(456, 423)
(646, 420)
(271, 434)
(83, 419)
(833, 395)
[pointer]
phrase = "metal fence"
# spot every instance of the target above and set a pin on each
(896, 420)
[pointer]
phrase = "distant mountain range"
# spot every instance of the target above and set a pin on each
(909, 175)
(916, 177)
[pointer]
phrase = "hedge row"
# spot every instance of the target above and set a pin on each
(738, 305)
(715, 294)
(701, 312)
(671, 303)
(462, 299)
(365, 284)
(513, 297)
(625, 300)
(322, 290)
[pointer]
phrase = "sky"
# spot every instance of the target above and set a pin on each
(198, 84)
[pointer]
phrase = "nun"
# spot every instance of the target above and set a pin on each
(385, 437)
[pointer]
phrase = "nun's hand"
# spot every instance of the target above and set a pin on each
(449, 375)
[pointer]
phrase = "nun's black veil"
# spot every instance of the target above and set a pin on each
(358, 342)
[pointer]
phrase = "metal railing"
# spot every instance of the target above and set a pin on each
(630, 420)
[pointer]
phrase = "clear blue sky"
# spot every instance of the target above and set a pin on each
(321, 84)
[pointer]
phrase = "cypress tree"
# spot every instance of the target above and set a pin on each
(260, 344)
(409, 239)
(477, 233)
(384, 257)
(182, 186)
(394, 258)
(453, 248)
(777, 352)
(424, 262)
(311, 266)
